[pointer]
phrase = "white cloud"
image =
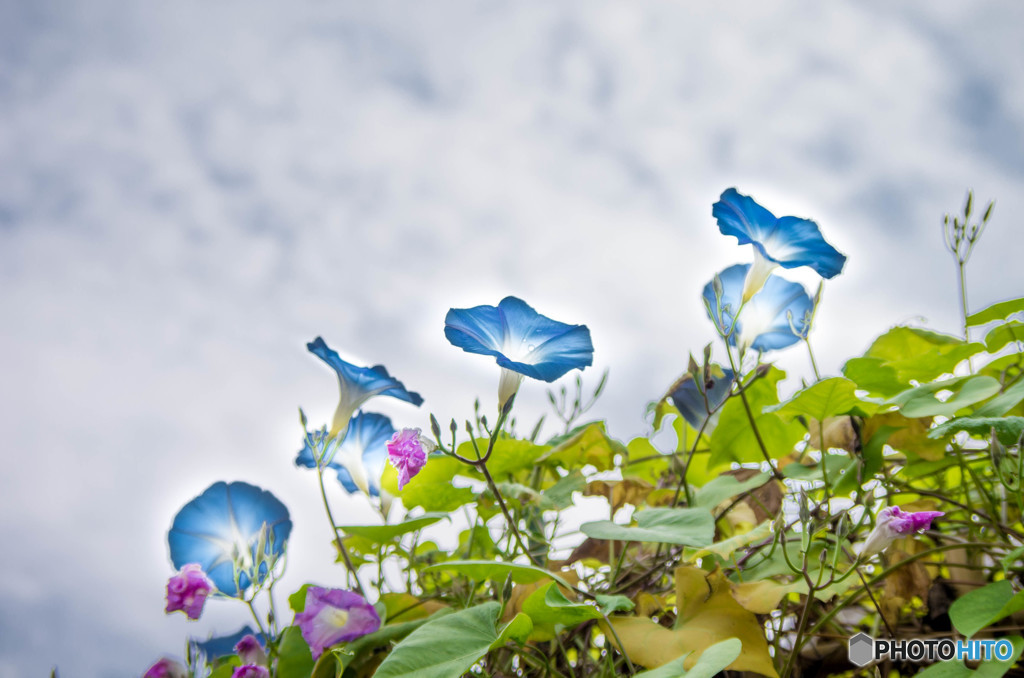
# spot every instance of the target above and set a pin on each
(188, 193)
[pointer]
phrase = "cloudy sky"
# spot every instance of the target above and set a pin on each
(191, 191)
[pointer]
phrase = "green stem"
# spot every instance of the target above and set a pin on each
(750, 417)
(337, 535)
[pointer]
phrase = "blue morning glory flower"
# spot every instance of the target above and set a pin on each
(693, 400)
(223, 525)
(358, 384)
(775, 317)
(524, 342)
(789, 242)
(359, 458)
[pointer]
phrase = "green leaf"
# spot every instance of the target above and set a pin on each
(874, 376)
(613, 604)
(726, 547)
(294, 660)
(979, 608)
(297, 600)
(591, 445)
(686, 526)
(922, 401)
(997, 311)
(559, 495)
(1003, 334)
(380, 534)
(518, 630)
(497, 571)
(431, 489)
(1008, 429)
(444, 647)
(734, 440)
(726, 487)
(383, 637)
(509, 456)
(548, 608)
(921, 355)
(712, 661)
(826, 398)
(1002, 403)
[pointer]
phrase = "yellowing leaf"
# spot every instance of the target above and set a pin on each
(589, 446)
(707, 614)
(620, 492)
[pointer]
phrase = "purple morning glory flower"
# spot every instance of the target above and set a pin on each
(166, 668)
(250, 650)
(524, 342)
(187, 590)
(893, 523)
(250, 671)
(222, 526)
(358, 384)
(405, 450)
(789, 242)
(768, 320)
(360, 456)
(693, 399)
(333, 616)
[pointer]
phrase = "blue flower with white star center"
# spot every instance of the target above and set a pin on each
(524, 342)
(359, 458)
(788, 242)
(358, 384)
(774, 318)
(222, 527)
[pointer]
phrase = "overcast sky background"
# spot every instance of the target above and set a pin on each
(191, 191)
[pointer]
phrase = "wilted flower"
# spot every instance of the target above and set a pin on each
(407, 455)
(333, 616)
(187, 590)
(358, 384)
(893, 523)
(359, 458)
(789, 242)
(250, 651)
(166, 668)
(250, 671)
(694, 399)
(776, 317)
(222, 526)
(217, 647)
(524, 342)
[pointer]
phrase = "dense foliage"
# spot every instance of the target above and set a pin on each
(885, 500)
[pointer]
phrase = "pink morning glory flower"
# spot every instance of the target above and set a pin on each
(405, 450)
(250, 651)
(250, 671)
(187, 590)
(893, 523)
(333, 616)
(166, 668)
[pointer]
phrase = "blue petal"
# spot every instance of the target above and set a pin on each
(208, 527)
(224, 646)
(367, 437)
(766, 315)
(367, 381)
(521, 339)
(788, 241)
(688, 396)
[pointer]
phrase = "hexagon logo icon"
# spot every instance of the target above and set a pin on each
(862, 649)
